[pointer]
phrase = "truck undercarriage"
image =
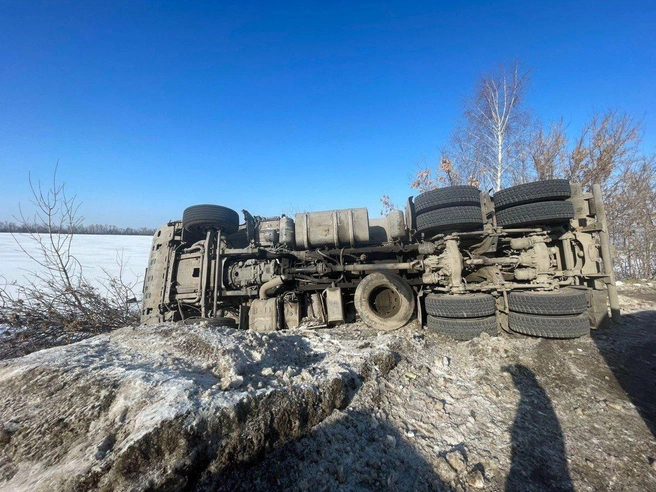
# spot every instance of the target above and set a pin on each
(532, 259)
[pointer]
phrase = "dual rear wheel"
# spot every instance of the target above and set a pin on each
(560, 314)
(541, 202)
(458, 208)
(555, 314)
(461, 317)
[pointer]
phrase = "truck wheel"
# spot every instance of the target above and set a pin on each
(535, 214)
(539, 191)
(384, 301)
(447, 197)
(560, 302)
(198, 219)
(463, 329)
(549, 326)
(460, 306)
(464, 218)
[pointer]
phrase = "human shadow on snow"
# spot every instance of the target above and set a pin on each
(539, 459)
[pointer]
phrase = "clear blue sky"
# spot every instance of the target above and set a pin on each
(153, 106)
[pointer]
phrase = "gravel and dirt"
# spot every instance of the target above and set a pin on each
(408, 410)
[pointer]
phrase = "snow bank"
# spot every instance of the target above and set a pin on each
(168, 407)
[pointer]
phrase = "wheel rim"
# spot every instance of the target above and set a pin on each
(385, 302)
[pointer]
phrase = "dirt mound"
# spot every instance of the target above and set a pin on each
(169, 407)
(494, 413)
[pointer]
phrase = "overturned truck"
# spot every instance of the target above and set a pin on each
(532, 259)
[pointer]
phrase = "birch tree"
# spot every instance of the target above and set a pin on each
(496, 126)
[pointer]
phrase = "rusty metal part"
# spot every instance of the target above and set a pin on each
(271, 284)
(263, 315)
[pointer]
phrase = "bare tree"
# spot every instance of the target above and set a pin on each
(608, 142)
(548, 150)
(632, 219)
(445, 174)
(58, 215)
(57, 293)
(608, 152)
(490, 147)
(493, 136)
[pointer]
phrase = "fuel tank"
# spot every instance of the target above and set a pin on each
(337, 228)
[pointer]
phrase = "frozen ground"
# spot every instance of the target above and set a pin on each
(95, 252)
(495, 413)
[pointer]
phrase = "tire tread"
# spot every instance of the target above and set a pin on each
(459, 218)
(549, 326)
(460, 306)
(561, 302)
(538, 191)
(447, 197)
(219, 216)
(462, 329)
(535, 214)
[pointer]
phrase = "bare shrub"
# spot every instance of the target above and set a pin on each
(57, 293)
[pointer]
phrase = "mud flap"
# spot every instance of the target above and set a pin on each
(598, 310)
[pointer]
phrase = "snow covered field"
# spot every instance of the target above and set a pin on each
(95, 253)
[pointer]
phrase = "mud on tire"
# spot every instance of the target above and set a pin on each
(549, 326)
(460, 306)
(462, 328)
(561, 302)
(384, 301)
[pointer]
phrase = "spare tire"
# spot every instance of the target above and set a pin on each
(539, 191)
(560, 302)
(465, 218)
(384, 300)
(535, 214)
(447, 197)
(198, 219)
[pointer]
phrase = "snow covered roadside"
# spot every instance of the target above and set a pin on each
(96, 253)
(169, 407)
(422, 412)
